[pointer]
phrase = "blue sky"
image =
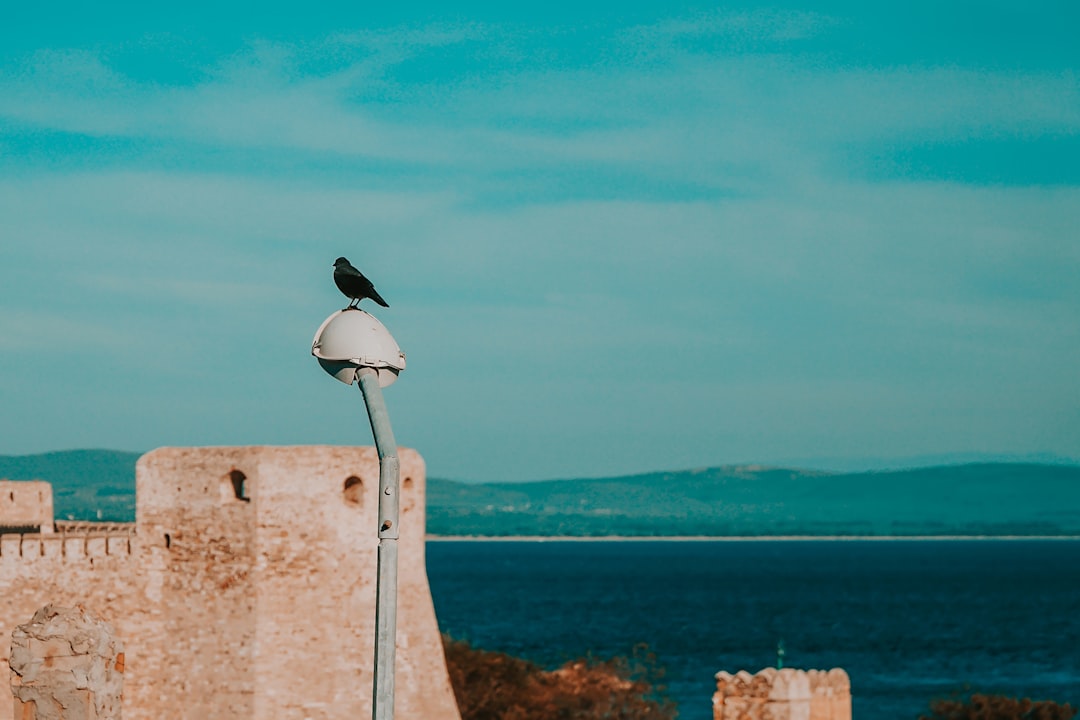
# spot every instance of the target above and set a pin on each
(614, 237)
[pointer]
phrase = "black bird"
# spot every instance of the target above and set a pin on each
(354, 285)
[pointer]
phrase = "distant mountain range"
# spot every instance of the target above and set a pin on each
(977, 499)
(87, 484)
(970, 499)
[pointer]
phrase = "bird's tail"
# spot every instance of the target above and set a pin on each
(378, 298)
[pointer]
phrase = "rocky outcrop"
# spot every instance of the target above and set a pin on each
(66, 665)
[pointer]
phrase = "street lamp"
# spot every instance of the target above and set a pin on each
(353, 346)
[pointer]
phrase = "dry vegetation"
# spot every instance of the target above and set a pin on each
(496, 686)
(998, 707)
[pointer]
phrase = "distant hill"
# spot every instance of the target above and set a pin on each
(973, 499)
(976, 499)
(85, 482)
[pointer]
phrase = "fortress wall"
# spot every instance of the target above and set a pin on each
(198, 553)
(289, 631)
(331, 573)
(26, 504)
(248, 590)
(96, 570)
(323, 569)
(786, 694)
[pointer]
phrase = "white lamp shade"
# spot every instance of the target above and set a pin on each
(352, 339)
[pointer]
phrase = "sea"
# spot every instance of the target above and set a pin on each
(909, 620)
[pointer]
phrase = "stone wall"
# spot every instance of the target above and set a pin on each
(786, 694)
(26, 505)
(246, 587)
(830, 694)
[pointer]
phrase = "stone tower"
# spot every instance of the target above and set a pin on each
(246, 588)
(26, 507)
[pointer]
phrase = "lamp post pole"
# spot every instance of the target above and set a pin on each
(387, 573)
(353, 346)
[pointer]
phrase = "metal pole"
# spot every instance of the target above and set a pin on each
(386, 583)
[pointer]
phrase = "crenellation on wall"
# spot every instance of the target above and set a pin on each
(96, 545)
(24, 548)
(785, 694)
(10, 546)
(74, 547)
(52, 546)
(831, 694)
(65, 545)
(30, 547)
(118, 544)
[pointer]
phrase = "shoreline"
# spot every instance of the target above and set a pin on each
(742, 538)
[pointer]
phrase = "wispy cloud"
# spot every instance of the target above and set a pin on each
(736, 28)
(703, 114)
(688, 201)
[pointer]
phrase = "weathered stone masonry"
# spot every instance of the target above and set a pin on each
(786, 694)
(66, 665)
(26, 506)
(246, 586)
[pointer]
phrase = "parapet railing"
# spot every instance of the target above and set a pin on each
(81, 526)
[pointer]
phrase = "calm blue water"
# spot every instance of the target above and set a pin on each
(909, 621)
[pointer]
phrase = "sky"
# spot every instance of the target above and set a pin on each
(615, 237)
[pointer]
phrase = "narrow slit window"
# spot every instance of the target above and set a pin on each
(354, 490)
(239, 485)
